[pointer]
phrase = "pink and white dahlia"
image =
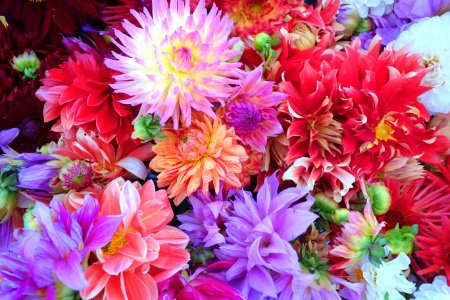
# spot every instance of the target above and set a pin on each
(175, 61)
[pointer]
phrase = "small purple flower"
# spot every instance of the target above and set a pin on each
(205, 223)
(251, 111)
(40, 259)
(37, 171)
(258, 235)
(76, 175)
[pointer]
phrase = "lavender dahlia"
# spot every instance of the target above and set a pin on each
(47, 257)
(251, 111)
(175, 61)
(258, 235)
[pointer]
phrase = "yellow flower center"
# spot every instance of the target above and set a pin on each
(115, 244)
(383, 131)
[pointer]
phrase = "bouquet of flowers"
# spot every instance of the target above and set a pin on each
(227, 149)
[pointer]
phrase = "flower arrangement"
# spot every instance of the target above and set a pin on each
(224, 149)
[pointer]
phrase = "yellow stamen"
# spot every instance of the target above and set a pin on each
(383, 131)
(115, 244)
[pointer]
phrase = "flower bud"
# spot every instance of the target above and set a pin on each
(146, 128)
(325, 203)
(364, 25)
(30, 221)
(340, 215)
(349, 17)
(402, 240)
(262, 42)
(301, 37)
(379, 198)
(3, 21)
(27, 64)
(8, 201)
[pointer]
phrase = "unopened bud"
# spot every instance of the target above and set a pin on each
(379, 198)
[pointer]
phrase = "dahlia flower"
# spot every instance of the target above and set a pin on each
(49, 16)
(204, 224)
(54, 252)
(107, 161)
(252, 17)
(251, 111)
(258, 235)
(424, 38)
(421, 202)
(202, 284)
(194, 157)
(77, 94)
(387, 280)
(433, 242)
(143, 251)
(369, 7)
(439, 289)
(357, 237)
(174, 62)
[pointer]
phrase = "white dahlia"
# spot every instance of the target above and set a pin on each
(429, 37)
(371, 7)
(175, 61)
(433, 291)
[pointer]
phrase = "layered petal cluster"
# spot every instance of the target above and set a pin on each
(205, 223)
(359, 122)
(252, 17)
(175, 62)
(107, 161)
(55, 251)
(356, 237)
(202, 284)
(258, 235)
(387, 279)
(78, 95)
(434, 248)
(188, 159)
(144, 250)
(423, 38)
(251, 111)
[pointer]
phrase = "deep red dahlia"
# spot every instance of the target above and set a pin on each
(39, 17)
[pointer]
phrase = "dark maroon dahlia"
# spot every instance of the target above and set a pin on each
(40, 18)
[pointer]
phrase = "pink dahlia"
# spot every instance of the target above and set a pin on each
(251, 111)
(176, 61)
(143, 251)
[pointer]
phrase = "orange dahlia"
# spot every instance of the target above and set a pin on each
(206, 152)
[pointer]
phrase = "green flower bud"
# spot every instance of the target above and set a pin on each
(27, 64)
(8, 192)
(376, 250)
(8, 202)
(30, 221)
(402, 240)
(262, 42)
(364, 25)
(340, 215)
(379, 198)
(146, 128)
(325, 203)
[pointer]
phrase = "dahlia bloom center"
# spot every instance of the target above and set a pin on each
(183, 51)
(113, 247)
(383, 131)
(76, 175)
(243, 116)
(191, 145)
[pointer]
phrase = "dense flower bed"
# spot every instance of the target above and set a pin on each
(229, 149)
